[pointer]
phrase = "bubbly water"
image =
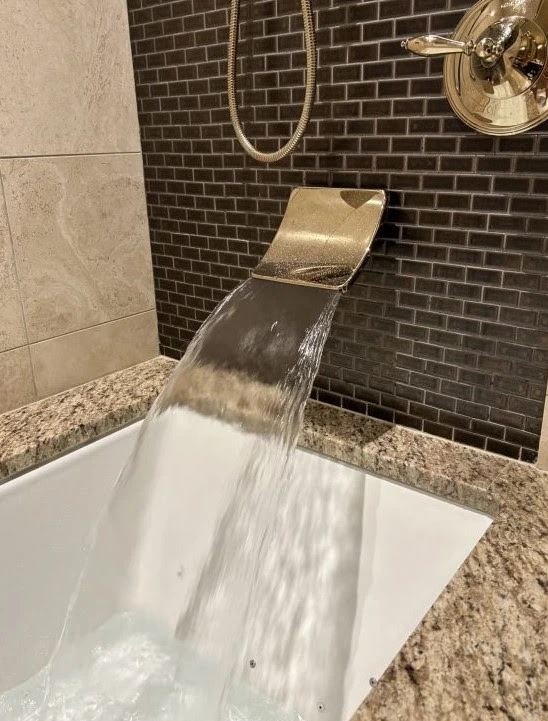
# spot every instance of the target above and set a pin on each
(201, 563)
(130, 670)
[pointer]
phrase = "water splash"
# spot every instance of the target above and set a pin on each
(199, 546)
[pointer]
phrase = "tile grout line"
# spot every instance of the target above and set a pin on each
(367, 88)
(69, 155)
(95, 325)
(18, 282)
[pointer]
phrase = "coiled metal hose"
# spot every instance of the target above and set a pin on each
(310, 45)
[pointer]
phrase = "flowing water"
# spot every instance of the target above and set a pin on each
(219, 584)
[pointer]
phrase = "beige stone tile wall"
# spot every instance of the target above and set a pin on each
(76, 287)
(74, 358)
(12, 324)
(17, 385)
(67, 79)
(542, 461)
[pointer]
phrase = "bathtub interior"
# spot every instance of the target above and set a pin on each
(401, 548)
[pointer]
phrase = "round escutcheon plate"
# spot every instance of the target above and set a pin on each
(504, 92)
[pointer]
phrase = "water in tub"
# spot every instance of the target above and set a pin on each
(250, 614)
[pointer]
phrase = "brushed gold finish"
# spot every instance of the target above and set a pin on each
(310, 89)
(324, 237)
(496, 69)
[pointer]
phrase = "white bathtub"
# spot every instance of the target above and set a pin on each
(411, 546)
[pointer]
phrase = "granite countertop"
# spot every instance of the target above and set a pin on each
(38, 432)
(480, 654)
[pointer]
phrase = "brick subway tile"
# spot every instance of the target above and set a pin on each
(445, 328)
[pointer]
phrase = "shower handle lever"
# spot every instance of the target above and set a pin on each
(498, 38)
(433, 45)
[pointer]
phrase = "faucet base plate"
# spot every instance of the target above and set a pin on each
(504, 93)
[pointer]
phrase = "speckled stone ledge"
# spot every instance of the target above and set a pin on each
(431, 464)
(40, 431)
(480, 654)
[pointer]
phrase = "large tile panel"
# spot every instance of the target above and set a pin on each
(543, 446)
(73, 359)
(66, 84)
(16, 382)
(80, 238)
(12, 325)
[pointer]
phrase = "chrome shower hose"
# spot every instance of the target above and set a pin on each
(309, 91)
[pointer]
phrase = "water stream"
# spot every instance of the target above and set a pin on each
(217, 585)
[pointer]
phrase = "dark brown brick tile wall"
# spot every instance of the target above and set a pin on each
(446, 328)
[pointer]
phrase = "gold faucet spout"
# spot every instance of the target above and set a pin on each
(324, 237)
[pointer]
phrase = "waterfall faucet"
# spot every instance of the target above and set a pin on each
(324, 237)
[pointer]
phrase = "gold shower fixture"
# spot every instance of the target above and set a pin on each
(496, 70)
(324, 237)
